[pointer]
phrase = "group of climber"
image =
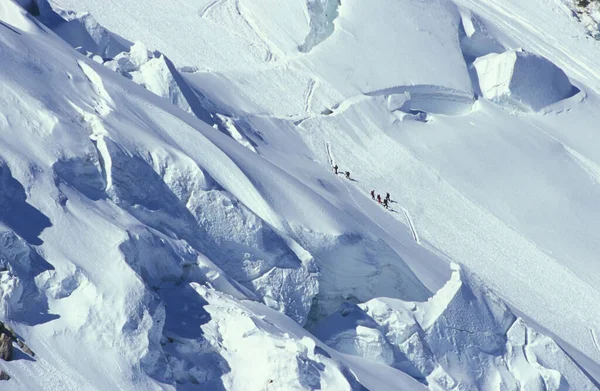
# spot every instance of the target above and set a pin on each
(386, 201)
(346, 173)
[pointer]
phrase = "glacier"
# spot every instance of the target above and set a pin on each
(169, 218)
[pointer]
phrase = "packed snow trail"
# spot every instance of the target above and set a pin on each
(206, 8)
(330, 155)
(411, 225)
(594, 338)
(310, 90)
(409, 221)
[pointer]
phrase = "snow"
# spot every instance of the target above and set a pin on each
(523, 80)
(184, 229)
(81, 30)
(119, 178)
(463, 337)
(475, 39)
(588, 13)
(153, 73)
(322, 14)
(18, 17)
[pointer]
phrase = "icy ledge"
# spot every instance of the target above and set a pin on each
(462, 338)
(521, 80)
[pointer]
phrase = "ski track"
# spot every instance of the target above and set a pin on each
(269, 55)
(309, 94)
(9, 27)
(204, 10)
(411, 225)
(587, 165)
(263, 43)
(330, 154)
(595, 339)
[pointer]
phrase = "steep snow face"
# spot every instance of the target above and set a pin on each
(462, 338)
(522, 80)
(151, 72)
(20, 299)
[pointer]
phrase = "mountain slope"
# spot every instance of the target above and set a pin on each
(161, 253)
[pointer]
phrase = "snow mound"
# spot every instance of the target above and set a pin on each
(522, 80)
(153, 72)
(464, 337)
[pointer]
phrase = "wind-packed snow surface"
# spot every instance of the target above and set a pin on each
(174, 222)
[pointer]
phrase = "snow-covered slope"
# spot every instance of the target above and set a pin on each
(177, 233)
(124, 215)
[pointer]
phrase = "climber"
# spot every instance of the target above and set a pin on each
(347, 174)
(335, 169)
(373, 194)
(385, 203)
(378, 198)
(387, 196)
